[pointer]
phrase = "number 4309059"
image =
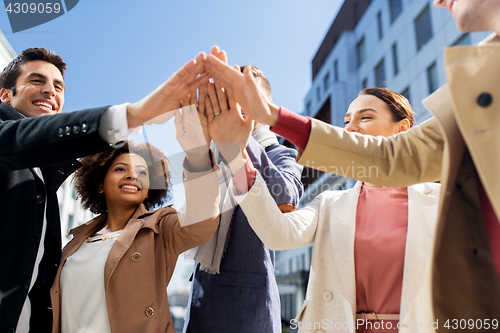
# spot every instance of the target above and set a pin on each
(33, 8)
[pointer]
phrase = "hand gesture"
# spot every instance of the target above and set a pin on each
(244, 89)
(229, 130)
(167, 97)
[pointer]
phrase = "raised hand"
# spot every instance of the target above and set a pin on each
(167, 97)
(229, 130)
(244, 89)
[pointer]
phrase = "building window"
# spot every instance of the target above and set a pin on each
(326, 81)
(336, 70)
(290, 266)
(380, 74)
(423, 27)
(406, 93)
(318, 93)
(304, 262)
(463, 40)
(432, 78)
(355, 12)
(395, 63)
(308, 108)
(395, 8)
(364, 83)
(379, 25)
(361, 51)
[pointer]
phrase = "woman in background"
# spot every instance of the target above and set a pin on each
(370, 267)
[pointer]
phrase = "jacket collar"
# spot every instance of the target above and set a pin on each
(493, 38)
(8, 112)
(98, 222)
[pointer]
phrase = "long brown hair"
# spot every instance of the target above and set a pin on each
(399, 106)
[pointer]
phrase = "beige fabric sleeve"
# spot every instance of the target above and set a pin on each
(404, 159)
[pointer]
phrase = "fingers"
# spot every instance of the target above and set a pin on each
(194, 67)
(192, 95)
(202, 92)
(221, 70)
(221, 97)
(223, 56)
(213, 98)
(209, 110)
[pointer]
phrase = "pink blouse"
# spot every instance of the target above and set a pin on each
(379, 251)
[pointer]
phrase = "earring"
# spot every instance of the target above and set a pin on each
(100, 190)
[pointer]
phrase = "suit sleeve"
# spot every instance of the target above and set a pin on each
(280, 171)
(278, 231)
(411, 157)
(49, 140)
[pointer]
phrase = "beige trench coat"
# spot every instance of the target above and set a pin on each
(463, 134)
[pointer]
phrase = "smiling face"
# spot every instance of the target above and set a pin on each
(368, 114)
(473, 15)
(39, 90)
(126, 182)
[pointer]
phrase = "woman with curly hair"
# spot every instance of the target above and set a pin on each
(114, 272)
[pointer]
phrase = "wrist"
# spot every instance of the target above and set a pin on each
(238, 163)
(275, 114)
(197, 161)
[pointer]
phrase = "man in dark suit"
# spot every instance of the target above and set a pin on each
(234, 288)
(38, 147)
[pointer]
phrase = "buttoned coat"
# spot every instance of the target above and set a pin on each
(462, 138)
(139, 267)
(51, 143)
(329, 222)
(244, 296)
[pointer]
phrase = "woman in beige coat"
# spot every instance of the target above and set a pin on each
(114, 272)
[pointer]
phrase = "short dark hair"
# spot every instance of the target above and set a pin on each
(259, 75)
(9, 75)
(399, 106)
(94, 168)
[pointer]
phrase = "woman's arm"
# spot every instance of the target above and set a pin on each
(277, 230)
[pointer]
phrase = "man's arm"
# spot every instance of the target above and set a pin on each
(48, 140)
(414, 156)
(411, 157)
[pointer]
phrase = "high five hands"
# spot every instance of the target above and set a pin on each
(210, 110)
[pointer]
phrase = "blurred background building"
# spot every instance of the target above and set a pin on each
(395, 44)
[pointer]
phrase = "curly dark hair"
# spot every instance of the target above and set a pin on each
(88, 178)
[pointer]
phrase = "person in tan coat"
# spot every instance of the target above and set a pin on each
(114, 272)
(460, 146)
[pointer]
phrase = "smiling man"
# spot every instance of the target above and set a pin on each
(38, 147)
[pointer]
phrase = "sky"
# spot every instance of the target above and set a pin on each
(118, 51)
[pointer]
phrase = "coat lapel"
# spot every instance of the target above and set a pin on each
(479, 125)
(343, 228)
(125, 239)
(422, 218)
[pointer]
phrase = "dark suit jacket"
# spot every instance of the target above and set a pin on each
(244, 296)
(51, 143)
